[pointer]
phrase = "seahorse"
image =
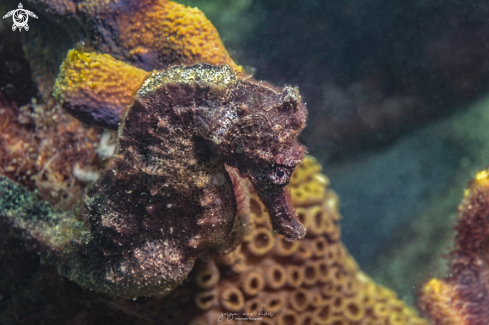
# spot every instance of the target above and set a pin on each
(169, 190)
(169, 197)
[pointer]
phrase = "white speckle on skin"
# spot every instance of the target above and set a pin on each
(229, 119)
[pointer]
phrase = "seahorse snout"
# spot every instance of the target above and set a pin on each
(277, 201)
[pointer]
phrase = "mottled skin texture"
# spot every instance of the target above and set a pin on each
(264, 148)
(174, 190)
(169, 198)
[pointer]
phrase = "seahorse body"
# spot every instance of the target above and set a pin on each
(173, 191)
(169, 198)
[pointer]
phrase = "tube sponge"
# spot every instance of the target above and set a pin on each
(299, 300)
(275, 276)
(206, 275)
(251, 283)
(284, 247)
(231, 299)
(206, 299)
(261, 241)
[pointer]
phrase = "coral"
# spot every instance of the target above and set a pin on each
(162, 33)
(463, 297)
(229, 17)
(149, 34)
(97, 89)
(42, 147)
(314, 191)
(186, 123)
(311, 281)
(38, 219)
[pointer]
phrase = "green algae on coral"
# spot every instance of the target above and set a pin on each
(38, 219)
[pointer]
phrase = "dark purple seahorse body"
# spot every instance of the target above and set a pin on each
(168, 198)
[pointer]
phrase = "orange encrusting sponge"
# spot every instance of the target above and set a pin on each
(96, 88)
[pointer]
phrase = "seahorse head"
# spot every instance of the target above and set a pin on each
(249, 124)
(263, 146)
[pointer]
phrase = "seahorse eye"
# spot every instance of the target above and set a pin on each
(280, 175)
